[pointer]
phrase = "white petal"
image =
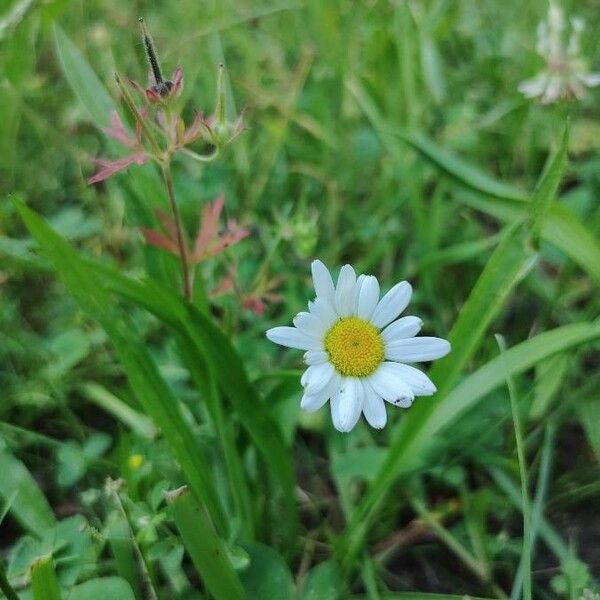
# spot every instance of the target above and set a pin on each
(315, 357)
(368, 297)
(392, 304)
(313, 402)
(346, 405)
(373, 407)
(293, 338)
(418, 382)
(591, 79)
(389, 384)
(406, 327)
(345, 291)
(310, 325)
(418, 349)
(324, 311)
(316, 377)
(322, 281)
(532, 88)
(359, 282)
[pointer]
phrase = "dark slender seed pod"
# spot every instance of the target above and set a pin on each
(151, 53)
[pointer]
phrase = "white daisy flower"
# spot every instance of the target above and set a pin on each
(565, 74)
(357, 348)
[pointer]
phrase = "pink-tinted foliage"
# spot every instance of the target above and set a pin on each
(110, 167)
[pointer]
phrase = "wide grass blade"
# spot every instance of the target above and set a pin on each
(44, 583)
(28, 505)
(144, 378)
(545, 191)
(85, 83)
(89, 283)
(461, 170)
(207, 551)
(559, 226)
(450, 163)
(509, 263)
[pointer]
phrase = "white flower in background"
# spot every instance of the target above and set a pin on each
(565, 75)
(357, 348)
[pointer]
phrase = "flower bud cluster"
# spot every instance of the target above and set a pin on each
(160, 130)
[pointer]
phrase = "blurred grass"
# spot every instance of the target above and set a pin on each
(387, 134)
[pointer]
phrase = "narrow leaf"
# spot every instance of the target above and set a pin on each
(85, 83)
(409, 444)
(207, 551)
(509, 263)
(43, 580)
(144, 378)
(545, 191)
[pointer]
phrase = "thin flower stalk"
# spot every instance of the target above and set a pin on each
(160, 132)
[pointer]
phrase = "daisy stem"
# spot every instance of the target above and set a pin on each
(526, 553)
(185, 271)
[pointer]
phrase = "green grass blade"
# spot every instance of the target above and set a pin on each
(451, 164)
(5, 586)
(559, 226)
(525, 503)
(43, 580)
(565, 231)
(538, 504)
(210, 344)
(82, 79)
(545, 191)
(509, 263)
(461, 170)
(409, 446)
(420, 596)
(28, 505)
(107, 401)
(207, 551)
(550, 536)
(122, 547)
(150, 388)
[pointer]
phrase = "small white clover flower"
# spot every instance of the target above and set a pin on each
(356, 348)
(565, 74)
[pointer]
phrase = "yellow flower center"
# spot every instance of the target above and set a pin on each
(354, 346)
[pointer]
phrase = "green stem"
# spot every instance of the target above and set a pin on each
(449, 540)
(112, 489)
(514, 407)
(185, 272)
(6, 587)
(239, 485)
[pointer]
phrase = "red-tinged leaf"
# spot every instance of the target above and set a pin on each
(197, 127)
(155, 238)
(255, 304)
(208, 229)
(177, 80)
(168, 224)
(110, 167)
(233, 235)
(118, 132)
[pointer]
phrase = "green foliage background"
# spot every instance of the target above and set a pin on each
(390, 135)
